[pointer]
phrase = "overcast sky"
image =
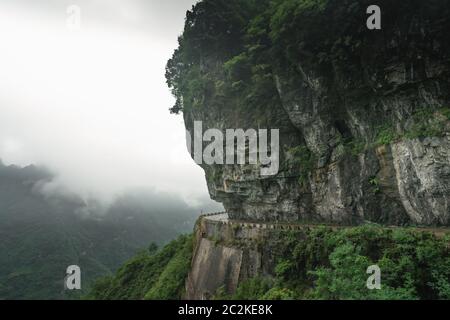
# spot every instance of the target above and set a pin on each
(92, 104)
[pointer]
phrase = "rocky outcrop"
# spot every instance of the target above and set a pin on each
(213, 267)
(364, 137)
(225, 255)
(422, 176)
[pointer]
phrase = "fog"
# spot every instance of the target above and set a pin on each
(91, 103)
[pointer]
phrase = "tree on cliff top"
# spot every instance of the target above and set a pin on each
(257, 36)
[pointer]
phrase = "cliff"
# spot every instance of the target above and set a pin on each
(363, 114)
(364, 120)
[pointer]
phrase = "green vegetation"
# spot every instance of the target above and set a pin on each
(231, 50)
(214, 33)
(251, 289)
(386, 135)
(424, 123)
(445, 112)
(327, 264)
(375, 183)
(427, 123)
(42, 234)
(355, 146)
(236, 40)
(304, 159)
(150, 275)
(318, 263)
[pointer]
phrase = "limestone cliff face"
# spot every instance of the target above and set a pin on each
(364, 137)
(225, 255)
(407, 178)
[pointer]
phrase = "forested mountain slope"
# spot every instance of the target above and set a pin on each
(42, 233)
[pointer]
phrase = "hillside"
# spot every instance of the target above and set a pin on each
(240, 262)
(154, 274)
(41, 234)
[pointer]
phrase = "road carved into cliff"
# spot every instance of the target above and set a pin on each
(223, 218)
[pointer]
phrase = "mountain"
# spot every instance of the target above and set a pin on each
(41, 233)
(364, 152)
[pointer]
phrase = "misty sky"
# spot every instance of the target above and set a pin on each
(92, 104)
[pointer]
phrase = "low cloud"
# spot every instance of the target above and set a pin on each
(92, 105)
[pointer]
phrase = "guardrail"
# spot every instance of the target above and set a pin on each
(298, 226)
(211, 214)
(264, 226)
(254, 225)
